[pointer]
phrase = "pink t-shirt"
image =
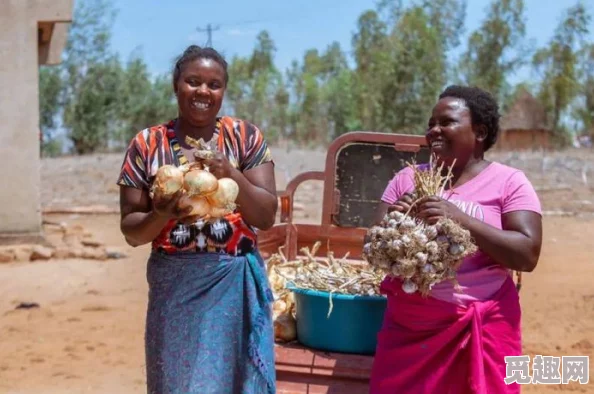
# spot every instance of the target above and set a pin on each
(498, 189)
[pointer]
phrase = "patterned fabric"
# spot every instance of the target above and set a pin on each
(209, 325)
(245, 148)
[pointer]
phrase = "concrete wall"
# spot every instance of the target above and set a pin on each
(20, 21)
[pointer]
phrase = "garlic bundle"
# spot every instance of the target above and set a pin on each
(418, 253)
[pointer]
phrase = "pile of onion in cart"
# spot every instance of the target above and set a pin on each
(210, 198)
(329, 274)
(419, 254)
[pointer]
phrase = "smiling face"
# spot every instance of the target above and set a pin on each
(200, 89)
(450, 132)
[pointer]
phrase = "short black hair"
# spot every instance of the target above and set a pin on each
(483, 108)
(194, 52)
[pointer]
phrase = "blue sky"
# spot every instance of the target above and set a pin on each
(163, 29)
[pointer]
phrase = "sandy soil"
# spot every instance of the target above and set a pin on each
(87, 334)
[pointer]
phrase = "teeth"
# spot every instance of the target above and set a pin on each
(200, 105)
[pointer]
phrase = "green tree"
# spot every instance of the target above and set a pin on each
(143, 103)
(93, 116)
(50, 86)
(495, 50)
(416, 75)
(447, 17)
(92, 77)
(584, 111)
(372, 58)
(557, 65)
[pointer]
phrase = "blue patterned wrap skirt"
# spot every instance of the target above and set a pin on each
(209, 325)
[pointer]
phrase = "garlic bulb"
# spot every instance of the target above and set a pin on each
(409, 286)
(431, 232)
(421, 257)
(396, 245)
(383, 263)
(419, 237)
(432, 247)
(367, 249)
(391, 233)
(428, 268)
(396, 215)
(407, 225)
(395, 269)
(442, 240)
(456, 249)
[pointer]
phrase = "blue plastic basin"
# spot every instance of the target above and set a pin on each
(351, 328)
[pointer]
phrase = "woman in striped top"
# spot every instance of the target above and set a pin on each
(209, 327)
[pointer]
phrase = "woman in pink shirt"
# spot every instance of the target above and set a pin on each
(456, 342)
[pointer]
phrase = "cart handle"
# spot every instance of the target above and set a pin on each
(287, 196)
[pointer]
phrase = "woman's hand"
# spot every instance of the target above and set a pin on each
(219, 166)
(403, 204)
(431, 209)
(168, 207)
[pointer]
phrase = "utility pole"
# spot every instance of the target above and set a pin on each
(209, 29)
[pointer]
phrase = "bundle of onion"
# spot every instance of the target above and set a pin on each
(408, 248)
(210, 198)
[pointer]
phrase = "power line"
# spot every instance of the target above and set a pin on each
(209, 29)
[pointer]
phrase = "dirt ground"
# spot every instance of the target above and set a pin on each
(86, 336)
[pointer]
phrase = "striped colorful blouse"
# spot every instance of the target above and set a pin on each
(244, 146)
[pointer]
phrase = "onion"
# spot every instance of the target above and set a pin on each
(278, 308)
(168, 180)
(200, 182)
(216, 212)
(225, 195)
(200, 205)
(285, 328)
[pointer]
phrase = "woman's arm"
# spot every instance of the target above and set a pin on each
(142, 221)
(516, 246)
(257, 200)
